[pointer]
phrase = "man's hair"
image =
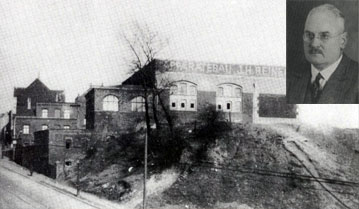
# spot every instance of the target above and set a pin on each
(329, 8)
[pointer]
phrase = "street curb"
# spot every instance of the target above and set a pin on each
(49, 185)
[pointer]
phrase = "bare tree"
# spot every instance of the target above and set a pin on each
(145, 45)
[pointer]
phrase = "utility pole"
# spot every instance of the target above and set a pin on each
(3, 143)
(145, 174)
(14, 142)
(13, 150)
(78, 179)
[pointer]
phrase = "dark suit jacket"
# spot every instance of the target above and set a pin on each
(341, 88)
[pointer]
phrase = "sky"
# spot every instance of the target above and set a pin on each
(70, 44)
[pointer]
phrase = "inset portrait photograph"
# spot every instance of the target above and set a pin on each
(322, 52)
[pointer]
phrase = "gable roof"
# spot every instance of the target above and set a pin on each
(36, 84)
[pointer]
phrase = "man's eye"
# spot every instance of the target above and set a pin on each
(324, 36)
(310, 35)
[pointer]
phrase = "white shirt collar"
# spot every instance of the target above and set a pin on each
(327, 72)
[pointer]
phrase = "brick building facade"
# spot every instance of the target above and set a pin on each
(39, 108)
(58, 150)
(240, 91)
(245, 93)
(114, 109)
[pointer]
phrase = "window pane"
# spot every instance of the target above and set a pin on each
(67, 114)
(57, 113)
(110, 103)
(44, 113)
(228, 105)
(183, 104)
(173, 103)
(28, 103)
(26, 129)
(186, 92)
(138, 104)
(68, 143)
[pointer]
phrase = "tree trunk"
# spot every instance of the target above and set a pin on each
(167, 114)
(154, 109)
(147, 114)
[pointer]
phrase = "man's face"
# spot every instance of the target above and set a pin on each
(322, 53)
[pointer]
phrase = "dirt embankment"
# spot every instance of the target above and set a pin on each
(247, 167)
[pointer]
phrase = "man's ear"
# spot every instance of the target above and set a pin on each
(343, 40)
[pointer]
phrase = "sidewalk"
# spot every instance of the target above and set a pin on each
(84, 197)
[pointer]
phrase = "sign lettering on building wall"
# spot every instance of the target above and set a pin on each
(227, 69)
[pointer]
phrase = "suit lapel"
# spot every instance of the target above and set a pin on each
(334, 88)
(300, 84)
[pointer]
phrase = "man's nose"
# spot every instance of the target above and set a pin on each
(315, 42)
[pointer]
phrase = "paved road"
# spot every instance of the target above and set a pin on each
(21, 192)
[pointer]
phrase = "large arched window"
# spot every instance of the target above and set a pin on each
(110, 103)
(229, 97)
(138, 104)
(183, 96)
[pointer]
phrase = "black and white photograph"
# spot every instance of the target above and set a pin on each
(322, 52)
(153, 104)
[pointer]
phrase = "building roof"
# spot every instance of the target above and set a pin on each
(37, 84)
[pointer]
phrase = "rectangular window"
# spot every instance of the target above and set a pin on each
(44, 113)
(26, 129)
(192, 104)
(219, 107)
(68, 142)
(84, 121)
(228, 105)
(66, 127)
(173, 104)
(29, 103)
(183, 104)
(44, 127)
(138, 104)
(57, 113)
(67, 114)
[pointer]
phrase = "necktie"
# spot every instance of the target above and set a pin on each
(316, 90)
